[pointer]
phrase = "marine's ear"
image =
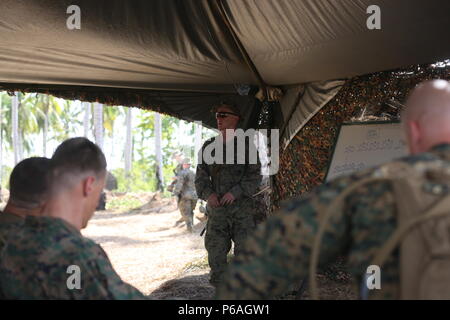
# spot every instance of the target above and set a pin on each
(414, 136)
(88, 185)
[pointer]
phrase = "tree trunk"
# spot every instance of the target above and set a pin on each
(1, 141)
(198, 140)
(20, 144)
(128, 145)
(45, 132)
(158, 153)
(98, 124)
(87, 114)
(112, 144)
(44, 135)
(15, 126)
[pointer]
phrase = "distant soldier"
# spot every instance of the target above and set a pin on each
(227, 188)
(391, 222)
(178, 168)
(47, 257)
(29, 187)
(111, 182)
(184, 190)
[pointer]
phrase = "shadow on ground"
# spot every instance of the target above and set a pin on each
(191, 287)
(123, 241)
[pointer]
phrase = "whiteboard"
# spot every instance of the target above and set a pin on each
(363, 145)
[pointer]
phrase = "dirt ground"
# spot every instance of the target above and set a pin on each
(145, 247)
(166, 262)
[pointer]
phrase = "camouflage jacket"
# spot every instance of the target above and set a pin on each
(278, 254)
(242, 178)
(185, 185)
(8, 221)
(37, 256)
(177, 169)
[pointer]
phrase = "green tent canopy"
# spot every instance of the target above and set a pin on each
(179, 57)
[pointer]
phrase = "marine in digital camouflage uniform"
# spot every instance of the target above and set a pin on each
(177, 170)
(278, 254)
(37, 256)
(184, 190)
(28, 192)
(227, 222)
(8, 221)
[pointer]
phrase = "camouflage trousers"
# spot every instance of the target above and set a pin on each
(186, 207)
(226, 224)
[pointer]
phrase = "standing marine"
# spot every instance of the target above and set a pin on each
(228, 174)
(392, 222)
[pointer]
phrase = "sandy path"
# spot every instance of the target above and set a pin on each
(146, 249)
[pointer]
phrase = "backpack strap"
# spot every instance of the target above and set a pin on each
(412, 212)
(412, 243)
(387, 172)
(335, 205)
(439, 209)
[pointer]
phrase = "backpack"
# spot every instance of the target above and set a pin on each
(422, 193)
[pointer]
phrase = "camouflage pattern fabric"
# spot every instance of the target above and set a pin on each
(186, 207)
(8, 222)
(185, 185)
(242, 180)
(232, 222)
(36, 258)
(278, 253)
(184, 189)
(177, 169)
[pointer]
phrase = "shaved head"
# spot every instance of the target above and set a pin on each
(426, 118)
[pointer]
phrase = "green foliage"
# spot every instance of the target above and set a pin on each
(110, 115)
(142, 178)
(6, 171)
(45, 121)
(198, 264)
(126, 202)
(202, 263)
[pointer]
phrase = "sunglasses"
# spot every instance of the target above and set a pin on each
(225, 114)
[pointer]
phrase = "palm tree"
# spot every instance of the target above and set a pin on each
(198, 140)
(87, 114)
(1, 139)
(158, 153)
(15, 126)
(128, 145)
(66, 122)
(111, 114)
(49, 111)
(98, 124)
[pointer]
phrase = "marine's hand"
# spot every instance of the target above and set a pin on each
(227, 198)
(213, 201)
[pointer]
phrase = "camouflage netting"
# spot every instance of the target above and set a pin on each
(304, 162)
